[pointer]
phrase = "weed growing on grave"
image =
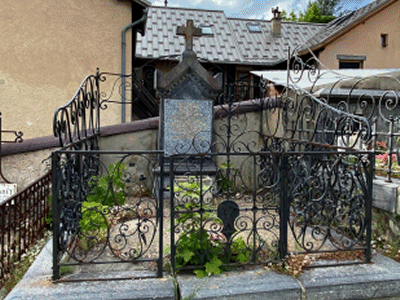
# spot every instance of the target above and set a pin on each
(384, 239)
(225, 182)
(20, 267)
(191, 188)
(109, 189)
(106, 191)
(199, 247)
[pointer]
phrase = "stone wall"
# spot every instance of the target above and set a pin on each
(25, 168)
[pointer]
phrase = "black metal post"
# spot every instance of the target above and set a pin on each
(284, 205)
(56, 220)
(368, 205)
(172, 210)
(253, 258)
(161, 217)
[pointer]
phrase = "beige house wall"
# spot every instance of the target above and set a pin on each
(365, 40)
(48, 48)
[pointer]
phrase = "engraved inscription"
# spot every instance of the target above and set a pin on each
(187, 126)
(182, 122)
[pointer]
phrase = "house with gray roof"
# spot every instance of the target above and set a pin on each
(232, 46)
(367, 38)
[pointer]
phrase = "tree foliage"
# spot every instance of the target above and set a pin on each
(319, 11)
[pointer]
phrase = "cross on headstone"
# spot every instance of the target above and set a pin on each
(17, 139)
(189, 31)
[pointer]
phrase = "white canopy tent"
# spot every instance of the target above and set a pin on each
(324, 76)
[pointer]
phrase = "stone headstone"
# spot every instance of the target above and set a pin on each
(187, 126)
(187, 92)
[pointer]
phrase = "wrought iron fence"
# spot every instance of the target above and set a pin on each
(267, 206)
(280, 175)
(79, 119)
(22, 222)
(375, 97)
(285, 174)
(106, 210)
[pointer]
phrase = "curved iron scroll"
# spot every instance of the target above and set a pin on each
(79, 119)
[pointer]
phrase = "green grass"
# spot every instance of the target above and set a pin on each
(20, 268)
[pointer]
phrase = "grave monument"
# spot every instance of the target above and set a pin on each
(186, 117)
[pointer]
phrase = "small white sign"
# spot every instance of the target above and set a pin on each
(7, 190)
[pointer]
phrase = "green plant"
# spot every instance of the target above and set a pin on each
(65, 270)
(109, 190)
(225, 182)
(197, 247)
(191, 187)
(106, 191)
(49, 219)
(189, 249)
(93, 217)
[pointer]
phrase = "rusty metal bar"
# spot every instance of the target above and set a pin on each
(22, 223)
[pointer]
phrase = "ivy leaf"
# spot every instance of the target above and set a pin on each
(242, 258)
(212, 267)
(186, 255)
(200, 273)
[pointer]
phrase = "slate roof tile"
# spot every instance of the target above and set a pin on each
(231, 42)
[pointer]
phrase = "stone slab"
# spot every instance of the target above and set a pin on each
(187, 126)
(257, 284)
(385, 194)
(37, 285)
(380, 279)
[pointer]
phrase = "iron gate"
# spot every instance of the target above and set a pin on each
(282, 175)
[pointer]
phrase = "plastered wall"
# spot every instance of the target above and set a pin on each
(48, 48)
(365, 40)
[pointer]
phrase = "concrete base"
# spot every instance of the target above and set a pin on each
(379, 280)
(37, 285)
(386, 195)
(245, 285)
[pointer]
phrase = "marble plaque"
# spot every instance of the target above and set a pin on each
(187, 126)
(7, 190)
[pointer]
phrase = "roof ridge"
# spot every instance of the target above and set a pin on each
(187, 8)
(342, 23)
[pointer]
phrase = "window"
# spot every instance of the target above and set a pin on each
(351, 61)
(384, 40)
(207, 29)
(254, 27)
(350, 65)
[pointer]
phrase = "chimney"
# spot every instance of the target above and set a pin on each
(276, 22)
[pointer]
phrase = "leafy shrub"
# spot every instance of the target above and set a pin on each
(93, 217)
(109, 189)
(198, 246)
(106, 191)
(191, 188)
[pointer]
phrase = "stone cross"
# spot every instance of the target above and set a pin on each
(189, 31)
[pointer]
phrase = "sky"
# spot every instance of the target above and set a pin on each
(253, 9)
